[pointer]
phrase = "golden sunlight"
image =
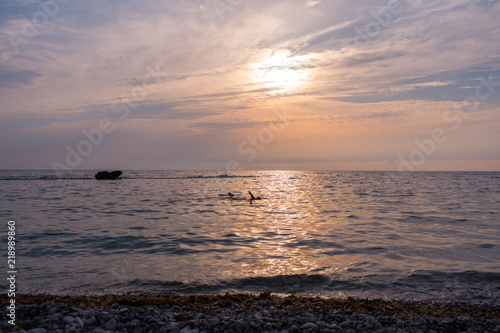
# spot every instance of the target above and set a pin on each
(280, 71)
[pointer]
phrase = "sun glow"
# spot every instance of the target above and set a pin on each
(280, 71)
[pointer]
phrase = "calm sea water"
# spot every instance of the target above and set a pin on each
(365, 234)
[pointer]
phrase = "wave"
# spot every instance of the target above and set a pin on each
(91, 177)
(425, 285)
(46, 178)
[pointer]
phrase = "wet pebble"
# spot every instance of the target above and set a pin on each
(79, 322)
(259, 316)
(90, 321)
(310, 326)
(110, 325)
(37, 330)
(56, 316)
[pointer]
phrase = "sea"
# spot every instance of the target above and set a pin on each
(389, 235)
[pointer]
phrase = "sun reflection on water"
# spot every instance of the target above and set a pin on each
(284, 226)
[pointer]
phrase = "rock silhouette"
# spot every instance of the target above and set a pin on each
(108, 175)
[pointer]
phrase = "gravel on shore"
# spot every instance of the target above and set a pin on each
(243, 313)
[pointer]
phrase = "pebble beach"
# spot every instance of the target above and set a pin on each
(264, 312)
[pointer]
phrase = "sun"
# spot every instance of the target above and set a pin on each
(281, 72)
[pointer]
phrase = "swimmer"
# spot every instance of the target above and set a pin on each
(252, 197)
(229, 196)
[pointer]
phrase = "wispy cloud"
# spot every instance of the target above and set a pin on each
(14, 79)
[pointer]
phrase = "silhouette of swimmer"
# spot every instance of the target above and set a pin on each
(252, 197)
(231, 196)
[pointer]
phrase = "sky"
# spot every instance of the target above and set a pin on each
(250, 84)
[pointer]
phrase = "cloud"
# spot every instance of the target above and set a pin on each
(94, 54)
(414, 86)
(381, 115)
(13, 79)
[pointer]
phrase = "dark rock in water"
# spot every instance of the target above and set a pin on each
(108, 175)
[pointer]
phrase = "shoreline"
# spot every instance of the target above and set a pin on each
(244, 313)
